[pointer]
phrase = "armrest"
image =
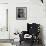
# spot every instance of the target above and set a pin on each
(24, 32)
(22, 35)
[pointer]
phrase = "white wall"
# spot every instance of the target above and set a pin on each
(3, 1)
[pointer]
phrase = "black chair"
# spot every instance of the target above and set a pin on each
(32, 29)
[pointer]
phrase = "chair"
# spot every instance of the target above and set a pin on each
(33, 30)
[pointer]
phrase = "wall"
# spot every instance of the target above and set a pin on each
(3, 1)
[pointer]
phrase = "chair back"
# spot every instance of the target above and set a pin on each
(33, 28)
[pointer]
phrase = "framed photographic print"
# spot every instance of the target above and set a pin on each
(21, 13)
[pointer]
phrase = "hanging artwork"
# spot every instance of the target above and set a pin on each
(21, 13)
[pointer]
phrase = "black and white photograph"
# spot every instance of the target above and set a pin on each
(21, 13)
(22, 22)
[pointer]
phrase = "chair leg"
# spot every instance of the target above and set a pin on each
(32, 42)
(20, 42)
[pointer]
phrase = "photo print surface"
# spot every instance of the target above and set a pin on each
(21, 13)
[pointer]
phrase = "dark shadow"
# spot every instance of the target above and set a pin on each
(41, 35)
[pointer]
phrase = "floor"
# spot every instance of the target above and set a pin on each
(26, 44)
(23, 44)
(5, 44)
